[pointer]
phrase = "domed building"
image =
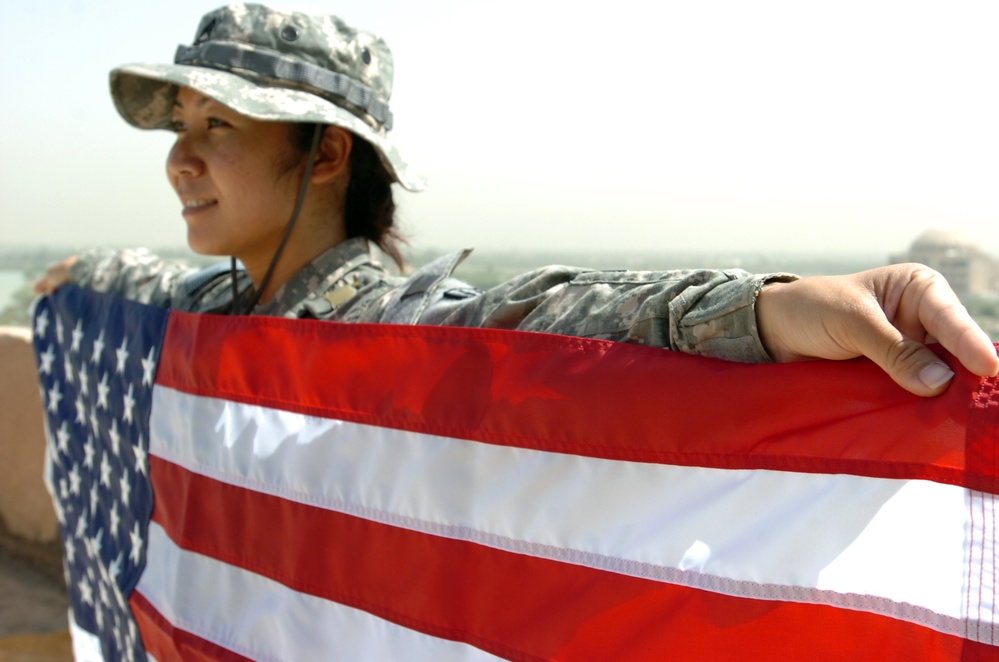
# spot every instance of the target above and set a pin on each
(969, 270)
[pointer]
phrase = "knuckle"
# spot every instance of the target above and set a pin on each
(900, 354)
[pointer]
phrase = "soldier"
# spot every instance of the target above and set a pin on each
(283, 161)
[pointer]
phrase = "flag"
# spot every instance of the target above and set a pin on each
(261, 488)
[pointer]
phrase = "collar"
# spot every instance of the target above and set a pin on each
(320, 274)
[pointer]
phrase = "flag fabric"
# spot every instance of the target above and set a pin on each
(259, 488)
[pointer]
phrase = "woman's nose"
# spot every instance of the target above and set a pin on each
(183, 160)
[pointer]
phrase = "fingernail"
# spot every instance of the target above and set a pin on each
(935, 375)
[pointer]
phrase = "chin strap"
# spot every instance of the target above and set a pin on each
(313, 150)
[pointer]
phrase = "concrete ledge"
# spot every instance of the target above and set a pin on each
(37, 647)
(25, 505)
(32, 590)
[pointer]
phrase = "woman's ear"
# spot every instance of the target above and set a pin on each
(333, 156)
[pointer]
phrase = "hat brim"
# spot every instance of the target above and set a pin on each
(144, 95)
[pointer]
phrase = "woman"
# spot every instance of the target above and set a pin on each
(282, 161)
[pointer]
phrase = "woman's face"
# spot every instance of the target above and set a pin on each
(226, 169)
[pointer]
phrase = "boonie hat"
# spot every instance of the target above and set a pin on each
(276, 65)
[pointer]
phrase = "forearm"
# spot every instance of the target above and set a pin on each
(133, 274)
(698, 311)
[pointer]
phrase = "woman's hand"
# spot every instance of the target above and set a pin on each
(885, 314)
(56, 275)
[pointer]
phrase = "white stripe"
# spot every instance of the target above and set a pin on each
(889, 546)
(265, 620)
(86, 645)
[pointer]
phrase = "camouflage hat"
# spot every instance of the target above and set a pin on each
(275, 65)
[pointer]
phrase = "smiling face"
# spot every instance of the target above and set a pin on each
(227, 170)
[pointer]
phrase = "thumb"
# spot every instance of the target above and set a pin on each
(912, 365)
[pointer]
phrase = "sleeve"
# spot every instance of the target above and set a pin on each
(134, 274)
(695, 311)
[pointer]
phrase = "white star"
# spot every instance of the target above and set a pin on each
(86, 593)
(115, 437)
(103, 570)
(67, 368)
(115, 569)
(84, 381)
(117, 633)
(63, 489)
(115, 520)
(97, 543)
(47, 357)
(95, 421)
(98, 348)
(140, 457)
(149, 367)
(136, 537)
(131, 641)
(88, 452)
(93, 497)
(98, 612)
(59, 329)
(105, 471)
(60, 511)
(54, 397)
(74, 479)
(81, 411)
(63, 435)
(102, 588)
(102, 392)
(70, 550)
(81, 527)
(129, 402)
(77, 337)
(118, 595)
(42, 323)
(122, 355)
(126, 487)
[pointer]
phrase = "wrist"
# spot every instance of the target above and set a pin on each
(770, 301)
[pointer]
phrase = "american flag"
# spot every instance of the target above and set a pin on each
(372, 492)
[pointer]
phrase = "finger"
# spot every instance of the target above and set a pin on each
(947, 320)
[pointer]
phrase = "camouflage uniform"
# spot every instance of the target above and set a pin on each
(696, 311)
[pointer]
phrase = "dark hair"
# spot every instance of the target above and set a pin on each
(369, 209)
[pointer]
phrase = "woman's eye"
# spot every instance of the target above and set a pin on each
(176, 126)
(214, 122)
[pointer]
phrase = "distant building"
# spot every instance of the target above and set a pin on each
(969, 270)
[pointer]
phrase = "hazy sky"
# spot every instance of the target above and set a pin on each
(676, 125)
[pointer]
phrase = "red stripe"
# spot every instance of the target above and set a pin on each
(512, 605)
(581, 396)
(167, 643)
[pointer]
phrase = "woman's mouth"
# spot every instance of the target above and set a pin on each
(197, 203)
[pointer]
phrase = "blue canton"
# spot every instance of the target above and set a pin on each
(97, 357)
